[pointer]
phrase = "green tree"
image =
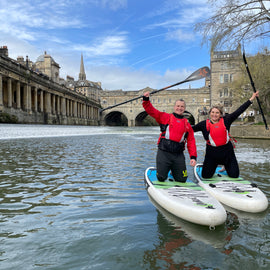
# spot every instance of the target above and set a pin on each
(234, 21)
(259, 66)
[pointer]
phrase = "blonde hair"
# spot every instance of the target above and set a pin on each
(218, 107)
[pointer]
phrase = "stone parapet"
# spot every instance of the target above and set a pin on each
(250, 132)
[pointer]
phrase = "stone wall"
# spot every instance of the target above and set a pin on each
(250, 132)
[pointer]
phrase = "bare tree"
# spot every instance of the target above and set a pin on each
(234, 21)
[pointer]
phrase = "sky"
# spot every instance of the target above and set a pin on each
(126, 44)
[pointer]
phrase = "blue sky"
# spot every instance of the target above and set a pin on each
(126, 44)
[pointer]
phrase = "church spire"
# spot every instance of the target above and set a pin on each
(82, 75)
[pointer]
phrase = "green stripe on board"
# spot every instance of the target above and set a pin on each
(216, 179)
(166, 184)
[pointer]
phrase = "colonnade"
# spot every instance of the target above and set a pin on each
(32, 97)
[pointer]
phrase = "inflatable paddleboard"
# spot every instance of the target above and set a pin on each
(187, 200)
(236, 193)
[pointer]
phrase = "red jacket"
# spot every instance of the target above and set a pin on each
(172, 123)
(218, 134)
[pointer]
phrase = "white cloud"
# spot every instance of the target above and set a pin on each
(113, 4)
(111, 45)
(124, 78)
(181, 36)
(128, 79)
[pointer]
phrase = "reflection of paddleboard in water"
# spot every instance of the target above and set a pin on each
(216, 238)
(236, 193)
(185, 200)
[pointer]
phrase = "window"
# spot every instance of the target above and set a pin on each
(226, 92)
(221, 79)
(226, 78)
(227, 103)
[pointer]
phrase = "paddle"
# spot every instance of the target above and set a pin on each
(196, 75)
(254, 89)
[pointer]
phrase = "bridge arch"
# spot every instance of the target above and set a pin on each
(115, 118)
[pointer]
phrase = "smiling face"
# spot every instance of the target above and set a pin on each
(215, 115)
(179, 107)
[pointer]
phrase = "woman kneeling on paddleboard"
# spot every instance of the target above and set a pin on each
(219, 148)
(175, 132)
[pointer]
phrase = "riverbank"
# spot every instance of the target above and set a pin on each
(250, 131)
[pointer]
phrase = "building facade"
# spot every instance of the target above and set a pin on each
(35, 93)
(31, 96)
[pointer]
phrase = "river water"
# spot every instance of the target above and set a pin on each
(74, 198)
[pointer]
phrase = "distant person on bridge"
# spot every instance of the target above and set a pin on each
(219, 147)
(175, 133)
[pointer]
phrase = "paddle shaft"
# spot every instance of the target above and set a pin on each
(151, 93)
(197, 75)
(254, 89)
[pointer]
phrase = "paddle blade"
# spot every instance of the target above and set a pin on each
(199, 74)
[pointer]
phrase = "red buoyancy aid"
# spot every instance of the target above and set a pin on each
(218, 134)
(176, 129)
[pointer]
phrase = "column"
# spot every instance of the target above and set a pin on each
(63, 106)
(1, 93)
(84, 111)
(75, 108)
(35, 99)
(9, 93)
(48, 108)
(29, 99)
(18, 94)
(92, 112)
(53, 104)
(41, 100)
(25, 96)
(58, 108)
(67, 106)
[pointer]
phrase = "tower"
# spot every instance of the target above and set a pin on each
(82, 75)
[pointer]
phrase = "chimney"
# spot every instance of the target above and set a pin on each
(4, 51)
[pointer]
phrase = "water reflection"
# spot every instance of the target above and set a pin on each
(176, 234)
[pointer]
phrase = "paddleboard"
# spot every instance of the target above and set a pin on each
(236, 193)
(187, 201)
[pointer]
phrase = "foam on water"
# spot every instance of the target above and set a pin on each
(12, 131)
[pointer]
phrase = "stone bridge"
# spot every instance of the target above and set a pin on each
(132, 113)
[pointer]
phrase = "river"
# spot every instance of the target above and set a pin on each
(74, 198)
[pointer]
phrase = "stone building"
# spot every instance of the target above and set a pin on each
(45, 64)
(225, 68)
(28, 95)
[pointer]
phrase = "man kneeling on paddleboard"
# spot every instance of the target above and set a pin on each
(175, 133)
